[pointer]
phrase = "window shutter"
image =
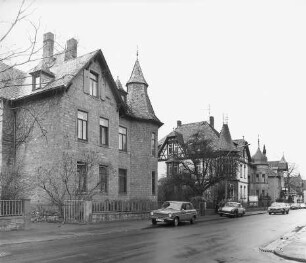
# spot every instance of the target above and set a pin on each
(102, 87)
(86, 81)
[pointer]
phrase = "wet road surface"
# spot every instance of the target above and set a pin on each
(222, 241)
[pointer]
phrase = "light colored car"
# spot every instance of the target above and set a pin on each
(302, 206)
(281, 208)
(233, 209)
(174, 212)
(295, 206)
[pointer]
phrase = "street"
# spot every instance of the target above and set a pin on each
(224, 240)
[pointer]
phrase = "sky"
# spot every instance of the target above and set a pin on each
(245, 60)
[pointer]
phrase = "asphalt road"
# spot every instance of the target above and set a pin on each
(224, 241)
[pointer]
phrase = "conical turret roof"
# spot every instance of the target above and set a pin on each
(259, 157)
(225, 140)
(137, 76)
(283, 160)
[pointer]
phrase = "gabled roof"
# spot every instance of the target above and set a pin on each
(137, 76)
(185, 131)
(64, 72)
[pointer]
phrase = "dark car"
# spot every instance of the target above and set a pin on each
(295, 206)
(281, 208)
(174, 212)
(233, 209)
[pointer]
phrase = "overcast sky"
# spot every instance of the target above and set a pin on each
(246, 59)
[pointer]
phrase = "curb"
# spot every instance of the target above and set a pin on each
(277, 249)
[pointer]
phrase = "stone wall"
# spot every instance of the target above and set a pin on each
(116, 216)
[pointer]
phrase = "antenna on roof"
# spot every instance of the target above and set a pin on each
(137, 53)
(258, 140)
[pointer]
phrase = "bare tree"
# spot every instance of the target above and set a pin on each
(200, 166)
(70, 179)
(290, 175)
(18, 56)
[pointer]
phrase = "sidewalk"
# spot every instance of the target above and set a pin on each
(53, 231)
(294, 249)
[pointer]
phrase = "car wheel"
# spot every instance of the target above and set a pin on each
(221, 214)
(287, 212)
(154, 222)
(192, 220)
(270, 213)
(176, 221)
(236, 214)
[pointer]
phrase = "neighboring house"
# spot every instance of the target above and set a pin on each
(296, 188)
(258, 175)
(276, 178)
(75, 106)
(169, 146)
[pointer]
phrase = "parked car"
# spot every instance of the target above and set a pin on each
(233, 209)
(302, 206)
(295, 206)
(174, 212)
(282, 208)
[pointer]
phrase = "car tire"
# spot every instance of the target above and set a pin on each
(283, 212)
(236, 214)
(270, 213)
(154, 222)
(287, 212)
(176, 221)
(192, 220)
(220, 214)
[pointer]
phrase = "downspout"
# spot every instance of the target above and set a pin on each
(14, 135)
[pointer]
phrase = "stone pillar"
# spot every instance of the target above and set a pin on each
(26, 212)
(88, 211)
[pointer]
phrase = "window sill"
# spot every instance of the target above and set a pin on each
(83, 141)
(104, 146)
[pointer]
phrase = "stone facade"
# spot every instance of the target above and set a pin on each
(55, 128)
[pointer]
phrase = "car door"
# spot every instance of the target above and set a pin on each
(183, 212)
(188, 211)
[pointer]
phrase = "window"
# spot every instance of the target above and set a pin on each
(82, 125)
(122, 181)
(36, 82)
(82, 176)
(240, 191)
(104, 123)
(244, 171)
(175, 168)
(240, 166)
(264, 178)
(103, 176)
(93, 86)
(153, 183)
(257, 177)
(263, 192)
(244, 192)
(170, 148)
(153, 144)
(122, 139)
(169, 168)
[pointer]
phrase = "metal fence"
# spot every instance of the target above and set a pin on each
(11, 208)
(74, 211)
(123, 206)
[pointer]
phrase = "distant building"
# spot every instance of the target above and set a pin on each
(258, 175)
(276, 178)
(236, 189)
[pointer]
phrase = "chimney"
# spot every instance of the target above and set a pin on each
(48, 46)
(71, 49)
(179, 124)
(212, 121)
